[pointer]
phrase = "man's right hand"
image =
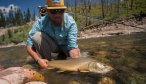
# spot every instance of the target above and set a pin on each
(43, 63)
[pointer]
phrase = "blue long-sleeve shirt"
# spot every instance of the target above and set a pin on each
(64, 36)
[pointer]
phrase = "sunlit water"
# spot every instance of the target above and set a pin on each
(126, 53)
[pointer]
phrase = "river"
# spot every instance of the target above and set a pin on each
(126, 53)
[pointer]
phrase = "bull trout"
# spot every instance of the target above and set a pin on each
(81, 65)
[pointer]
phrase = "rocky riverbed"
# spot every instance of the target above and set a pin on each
(110, 28)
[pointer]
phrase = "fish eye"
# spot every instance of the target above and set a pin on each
(33, 73)
(104, 65)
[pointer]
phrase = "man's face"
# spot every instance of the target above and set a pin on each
(56, 16)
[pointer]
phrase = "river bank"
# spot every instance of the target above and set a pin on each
(13, 45)
(110, 28)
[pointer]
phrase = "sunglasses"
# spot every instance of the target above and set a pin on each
(55, 11)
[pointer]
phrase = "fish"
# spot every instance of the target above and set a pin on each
(82, 64)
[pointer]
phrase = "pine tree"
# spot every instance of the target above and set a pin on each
(33, 16)
(27, 16)
(10, 19)
(2, 19)
(18, 17)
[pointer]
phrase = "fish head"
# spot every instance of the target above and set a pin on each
(98, 67)
(33, 75)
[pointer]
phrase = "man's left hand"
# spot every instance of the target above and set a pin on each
(74, 53)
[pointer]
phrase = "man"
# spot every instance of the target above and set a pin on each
(54, 32)
(42, 10)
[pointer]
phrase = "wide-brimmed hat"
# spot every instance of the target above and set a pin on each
(55, 4)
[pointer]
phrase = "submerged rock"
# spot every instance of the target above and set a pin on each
(1, 67)
(19, 75)
(106, 80)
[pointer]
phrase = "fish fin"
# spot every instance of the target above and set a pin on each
(68, 58)
(60, 71)
(84, 71)
(50, 68)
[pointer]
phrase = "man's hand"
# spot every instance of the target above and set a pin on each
(74, 53)
(43, 63)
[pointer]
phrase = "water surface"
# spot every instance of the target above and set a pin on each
(126, 53)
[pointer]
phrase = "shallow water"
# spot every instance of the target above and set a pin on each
(126, 53)
(13, 56)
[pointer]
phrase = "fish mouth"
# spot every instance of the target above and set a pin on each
(107, 70)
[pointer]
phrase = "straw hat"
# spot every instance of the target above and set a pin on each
(55, 4)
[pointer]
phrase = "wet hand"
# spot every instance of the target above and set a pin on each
(74, 53)
(43, 63)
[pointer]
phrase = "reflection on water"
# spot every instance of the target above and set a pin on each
(13, 56)
(72, 78)
(126, 53)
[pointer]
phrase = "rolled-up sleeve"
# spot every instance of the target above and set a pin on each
(36, 27)
(72, 36)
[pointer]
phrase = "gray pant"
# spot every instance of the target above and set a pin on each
(46, 45)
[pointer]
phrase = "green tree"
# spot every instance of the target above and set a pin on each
(27, 16)
(10, 19)
(131, 5)
(18, 17)
(33, 16)
(2, 19)
(102, 8)
(89, 5)
(10, 33)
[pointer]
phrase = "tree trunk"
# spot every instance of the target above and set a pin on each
(102, 5)
(131, 5)
(118, 8)
(75, 10)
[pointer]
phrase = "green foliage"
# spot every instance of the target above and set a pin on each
(19, 17)
(2, 20)
(11, 18)
(27, 16)
(15, 18)
(33, 16)
(10, 33)
(86, 15)
(2, 39)
(16, 40)
(15, 35)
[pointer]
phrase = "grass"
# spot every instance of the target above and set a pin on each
(15, 35)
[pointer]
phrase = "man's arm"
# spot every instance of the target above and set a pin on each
(32, 53)
(42, 62)
(74, 52)
(36, 27)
